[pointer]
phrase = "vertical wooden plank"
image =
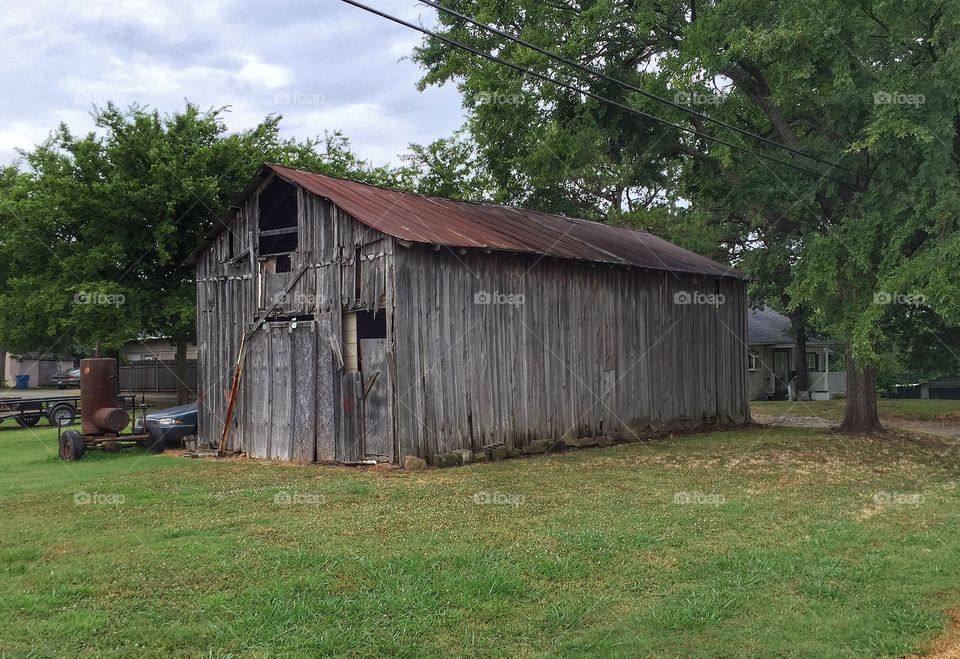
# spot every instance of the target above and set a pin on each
(377, 423)
(304, 385)
(281, 399)
(326, 417)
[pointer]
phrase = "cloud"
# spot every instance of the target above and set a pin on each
(322, 65)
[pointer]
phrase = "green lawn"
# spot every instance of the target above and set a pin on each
(785, 548)
(832, 410)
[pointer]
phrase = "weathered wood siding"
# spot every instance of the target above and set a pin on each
(226, 305)
(591, 349)
(292, 385)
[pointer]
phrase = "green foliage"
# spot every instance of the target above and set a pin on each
(871, 86)
(545, 147)
(448, 167)
(97, 229)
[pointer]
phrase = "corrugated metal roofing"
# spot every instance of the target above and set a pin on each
(450, 223)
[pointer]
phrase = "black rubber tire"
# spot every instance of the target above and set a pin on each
(28, 420)
(71, 446)
(61, 412)
(155, 445)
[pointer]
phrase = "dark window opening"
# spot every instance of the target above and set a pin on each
(371, 325)
(282, 263)
(357, 275)
(278, 218)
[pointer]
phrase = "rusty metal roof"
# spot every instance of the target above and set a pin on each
(438, 221)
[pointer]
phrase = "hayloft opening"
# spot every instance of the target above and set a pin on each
(371, 325)
(278, 218)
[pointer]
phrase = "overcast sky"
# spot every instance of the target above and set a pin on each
(321, 64)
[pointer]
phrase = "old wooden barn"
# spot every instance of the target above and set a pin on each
(398, 324)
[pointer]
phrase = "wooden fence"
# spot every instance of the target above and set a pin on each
(156, 375)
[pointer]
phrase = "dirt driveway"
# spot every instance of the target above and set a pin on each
(947, 429)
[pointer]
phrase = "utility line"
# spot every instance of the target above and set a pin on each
(576, 90)
(624, 84)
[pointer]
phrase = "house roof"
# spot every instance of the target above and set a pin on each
(947, 381)
(768, 327)
(446, 222)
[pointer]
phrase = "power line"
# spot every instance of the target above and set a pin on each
(576, 90)
(624, 84)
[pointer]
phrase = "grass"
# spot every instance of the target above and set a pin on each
(832, 410)
(790, 552)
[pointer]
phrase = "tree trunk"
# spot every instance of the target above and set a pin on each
(3, 368)
(803, 378)
(180, 371)
(860, 416)
(798, 323)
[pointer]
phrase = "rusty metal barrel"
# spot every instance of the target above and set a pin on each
(100, 409)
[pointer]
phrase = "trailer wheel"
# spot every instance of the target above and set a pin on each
(62, 415)
(71, 446)
(28, 420)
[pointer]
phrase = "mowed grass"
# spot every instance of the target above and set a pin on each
(832, 410)
(793, 543)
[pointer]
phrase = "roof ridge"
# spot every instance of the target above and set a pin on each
(459, 223)
(477, 202)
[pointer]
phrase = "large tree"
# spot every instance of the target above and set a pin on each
(871, 86)
(97, 229)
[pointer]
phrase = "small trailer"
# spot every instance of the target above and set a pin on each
(57, 410)
(103, 419)
(27, 412)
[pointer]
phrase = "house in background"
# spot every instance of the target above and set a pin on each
(149, 364)
(40, 368)
(157, 348)
(772, 360)
(398, 324)
(945, 388)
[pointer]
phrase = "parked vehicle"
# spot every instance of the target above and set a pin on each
(170, 425)
(66, 379)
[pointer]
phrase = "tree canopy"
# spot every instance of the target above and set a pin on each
(856, 249)
(97, 228)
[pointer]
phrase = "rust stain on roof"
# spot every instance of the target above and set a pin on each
(450, 223)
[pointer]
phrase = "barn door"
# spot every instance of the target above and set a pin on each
(280, 378)
(377, 420)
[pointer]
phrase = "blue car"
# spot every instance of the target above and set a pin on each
(170, 425)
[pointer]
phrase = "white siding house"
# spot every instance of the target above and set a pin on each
(773, 359)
